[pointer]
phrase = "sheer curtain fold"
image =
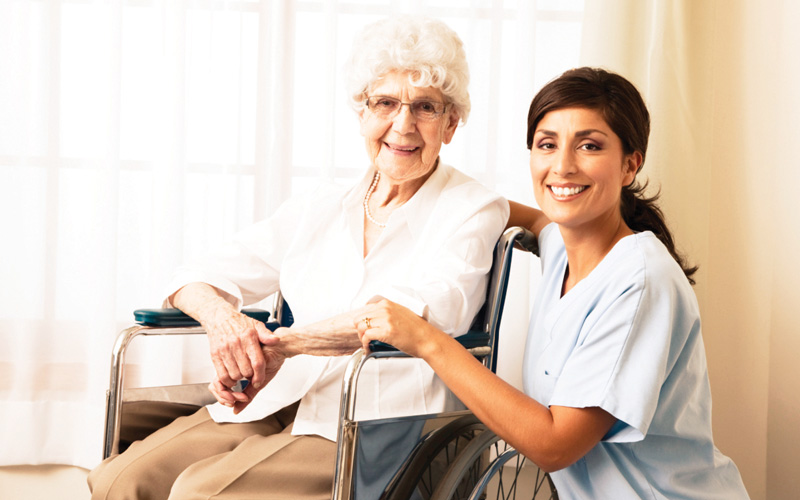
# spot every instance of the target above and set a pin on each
(134, 134)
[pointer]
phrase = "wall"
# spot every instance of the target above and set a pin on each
(783, 416)
(736, 305)
(754, 242)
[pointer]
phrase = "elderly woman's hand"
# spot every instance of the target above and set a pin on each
(394, 324)
(235, 342)
(238, 400)
(234, 339)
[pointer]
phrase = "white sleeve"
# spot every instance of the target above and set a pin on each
(455, 275)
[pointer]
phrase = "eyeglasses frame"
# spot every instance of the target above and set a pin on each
(436, 116)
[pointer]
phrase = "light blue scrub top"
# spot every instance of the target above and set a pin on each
(627, 339)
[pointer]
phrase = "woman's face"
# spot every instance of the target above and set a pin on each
(578, 169)
(404, 148)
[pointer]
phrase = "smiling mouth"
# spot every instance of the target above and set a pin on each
(564, 192)
(404, 149)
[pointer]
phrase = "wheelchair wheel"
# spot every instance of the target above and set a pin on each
(473, 477)
(427, 464)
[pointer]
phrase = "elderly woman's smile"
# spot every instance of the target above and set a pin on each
(400, 148)
(405, 126)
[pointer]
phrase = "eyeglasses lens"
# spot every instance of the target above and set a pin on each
(387, 107)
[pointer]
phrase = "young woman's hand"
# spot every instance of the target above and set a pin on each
(394, 324)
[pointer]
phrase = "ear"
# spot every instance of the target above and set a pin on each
(632, 164)
(450, 128)
(361, 121)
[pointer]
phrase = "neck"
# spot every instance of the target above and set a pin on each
(587, 247)
(391, 193)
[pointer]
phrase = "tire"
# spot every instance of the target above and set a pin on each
(427, 464)
(472, 477)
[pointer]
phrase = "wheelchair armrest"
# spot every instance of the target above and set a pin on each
(177, 318)
(470, 340)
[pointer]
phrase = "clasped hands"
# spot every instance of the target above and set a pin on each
(241, 349)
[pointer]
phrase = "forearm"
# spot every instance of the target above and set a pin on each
(551, 438)
(512, 415)
(200, 301)
(528, 217)
(336, 336)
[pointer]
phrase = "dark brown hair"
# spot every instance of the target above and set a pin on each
(624, 110)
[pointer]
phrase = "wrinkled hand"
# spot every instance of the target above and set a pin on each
(274, 359)
(393, 324)
(235, 342)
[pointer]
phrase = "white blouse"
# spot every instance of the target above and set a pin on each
(432, 257)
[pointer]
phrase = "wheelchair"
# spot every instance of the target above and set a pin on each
(449, 455)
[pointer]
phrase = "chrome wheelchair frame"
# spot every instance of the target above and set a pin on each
(449, 451)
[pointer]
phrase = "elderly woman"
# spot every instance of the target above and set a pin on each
(413, 230)
(616, 401)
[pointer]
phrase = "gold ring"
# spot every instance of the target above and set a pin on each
(367, 322)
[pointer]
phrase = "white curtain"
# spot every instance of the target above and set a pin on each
(136, 133)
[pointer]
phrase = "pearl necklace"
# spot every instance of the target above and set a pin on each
(366, 200)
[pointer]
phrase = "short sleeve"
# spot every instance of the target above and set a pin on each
(619, 361)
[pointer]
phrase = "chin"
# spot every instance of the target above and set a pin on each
(402, 173)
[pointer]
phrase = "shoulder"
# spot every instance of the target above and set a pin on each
(665, 290)
(659, 267)
(640, 258)
(640, 273)
(458, 193)
(457, 183)
(451, 202)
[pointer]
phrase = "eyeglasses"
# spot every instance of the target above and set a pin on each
(388, 107)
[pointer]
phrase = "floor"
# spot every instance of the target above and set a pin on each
(43, 482)
(62, 482)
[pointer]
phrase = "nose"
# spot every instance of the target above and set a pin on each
(404, 122)
(563, 162)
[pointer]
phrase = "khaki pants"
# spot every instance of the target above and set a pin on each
(195, 457)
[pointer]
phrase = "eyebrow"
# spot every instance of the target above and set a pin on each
(428, 99)
(580, 133)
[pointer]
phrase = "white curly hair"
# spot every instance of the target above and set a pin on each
(426, 48)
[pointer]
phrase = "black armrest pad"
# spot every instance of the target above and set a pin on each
(176, 317)
(473, 338)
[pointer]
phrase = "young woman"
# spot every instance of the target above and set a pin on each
(616, 400)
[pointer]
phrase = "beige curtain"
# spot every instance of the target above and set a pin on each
(721, 80)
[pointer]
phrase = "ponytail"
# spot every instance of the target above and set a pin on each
(641, 213)
(625, 112)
